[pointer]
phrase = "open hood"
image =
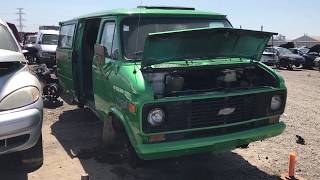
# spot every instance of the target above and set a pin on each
(11, 56)
(204, 43)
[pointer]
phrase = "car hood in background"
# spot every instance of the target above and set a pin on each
(204, 43)
(295, 56)
(48, 48)
(268, 53)
(11, 56)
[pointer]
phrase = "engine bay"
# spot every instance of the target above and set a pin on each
(186, 81)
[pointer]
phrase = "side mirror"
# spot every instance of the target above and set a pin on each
(25, 52)
(99, 51)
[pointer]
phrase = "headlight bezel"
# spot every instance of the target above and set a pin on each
(13, 99)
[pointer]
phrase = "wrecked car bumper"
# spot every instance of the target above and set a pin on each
(20, 130)
(207, 144)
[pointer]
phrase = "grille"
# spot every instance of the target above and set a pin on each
(205, 112)
(52, 53)
(13, 142)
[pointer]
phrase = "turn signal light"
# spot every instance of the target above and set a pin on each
(156, 138)
(274, 119)
(132, 107)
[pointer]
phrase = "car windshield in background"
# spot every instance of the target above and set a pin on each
(50, 39)
(284, 51)
(269, 50)
(32, 39)
(304, 50)
(6, 40)
(133, 37)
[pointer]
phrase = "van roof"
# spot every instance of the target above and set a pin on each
(49, 32)
(149, 10)
(2, 22)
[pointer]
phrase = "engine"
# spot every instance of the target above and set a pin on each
(168, 83)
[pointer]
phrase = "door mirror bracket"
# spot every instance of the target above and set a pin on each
(100, 52)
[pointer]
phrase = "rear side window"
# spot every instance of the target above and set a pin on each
(66, 36)
(6, 40)
(108, 40)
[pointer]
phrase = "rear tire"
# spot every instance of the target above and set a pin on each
(32, 159)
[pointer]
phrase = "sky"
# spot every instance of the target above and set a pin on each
(292, 18)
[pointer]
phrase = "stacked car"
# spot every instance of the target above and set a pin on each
(309, 54)
(283, 57)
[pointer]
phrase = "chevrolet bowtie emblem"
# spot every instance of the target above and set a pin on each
(226, 111)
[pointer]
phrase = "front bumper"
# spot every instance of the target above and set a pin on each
(19, 130)
(296, 61)
(270, 62)
(207, 144)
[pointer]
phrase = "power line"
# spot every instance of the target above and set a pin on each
(20, 19)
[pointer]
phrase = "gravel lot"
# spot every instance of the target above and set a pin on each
(71, 146)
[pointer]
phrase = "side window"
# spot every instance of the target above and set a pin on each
(109, 41)
(66, 36)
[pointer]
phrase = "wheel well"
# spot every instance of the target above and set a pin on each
(117, 124)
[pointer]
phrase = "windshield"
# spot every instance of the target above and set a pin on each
(6, 40)
(284, 51)
(304, 50)
(134, 38)
(32, 39)
(269, 50)
(50, 39)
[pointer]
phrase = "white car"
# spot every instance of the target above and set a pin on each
(46, 45)
(21, 106)
(269, 57)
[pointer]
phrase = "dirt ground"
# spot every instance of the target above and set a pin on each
(72, 136)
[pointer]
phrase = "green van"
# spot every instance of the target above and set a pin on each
(170, 81)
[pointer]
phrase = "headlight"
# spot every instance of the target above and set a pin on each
(44, 54)
(156, 117)
(19, 98)
(275, 103)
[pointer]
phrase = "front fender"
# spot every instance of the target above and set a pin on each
(130, 130)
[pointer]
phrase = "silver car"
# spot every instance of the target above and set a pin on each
(21, 106)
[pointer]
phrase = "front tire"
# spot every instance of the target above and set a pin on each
(132, 156)
(115, 139)
(289, 67)
(108, 133)
(32, 159)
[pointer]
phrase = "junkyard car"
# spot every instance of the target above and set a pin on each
(269, 57)
(170, 81)
(286, 58)
(20, 105)
(308, 55)
(31, 48)
(46, 46)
